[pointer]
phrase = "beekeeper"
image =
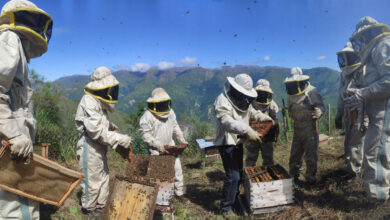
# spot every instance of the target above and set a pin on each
(158, 125)
(233, 112)
(266, 105)
(372, 41)
(305, 107)
(96, 134)
(355, 120)
(25, 32)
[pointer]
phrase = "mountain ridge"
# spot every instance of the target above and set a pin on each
(193, 90)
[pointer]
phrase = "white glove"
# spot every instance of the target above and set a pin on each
(21, 148)
(125, 141)
(317, 113)
(254, 135)
(354, 100)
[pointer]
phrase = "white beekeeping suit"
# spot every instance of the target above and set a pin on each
(305, 107)
(158, 125)
(20, 40)
(355, 119)
(96, 134)
(233, 111)
(372, 41)
(266, 105)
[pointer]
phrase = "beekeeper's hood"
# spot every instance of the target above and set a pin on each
(240, 92)
(30, 22)
(159, 103)
(103, 86)
(368, 31)
(348, 59)
(264, 92)
(296, 83)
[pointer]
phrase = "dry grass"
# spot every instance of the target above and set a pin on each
(331, 198)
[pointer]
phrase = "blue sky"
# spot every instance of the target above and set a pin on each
(138, 35)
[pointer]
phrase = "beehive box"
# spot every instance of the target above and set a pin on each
(41, 180)
(155, 169)
(267, 188)
(131, 199)
(207, 147)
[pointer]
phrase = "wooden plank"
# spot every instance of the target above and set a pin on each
(41, 180)
(287, 188)
(270, 203)
(165, 193)
(270, 209)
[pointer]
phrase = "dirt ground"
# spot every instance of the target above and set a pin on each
(330, 198)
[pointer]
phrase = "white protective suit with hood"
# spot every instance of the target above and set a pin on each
(375, 55)
(157, 130)
(304, 109)
(271, 109)
(17, 121)
(355, 120)
(96, 134)
(231, 120)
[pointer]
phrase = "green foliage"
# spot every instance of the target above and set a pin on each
(54, 114)
(139, 146)
(196, 129)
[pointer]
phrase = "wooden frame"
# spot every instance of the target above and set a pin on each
(46, 149)
(124, 180)
(43, 163)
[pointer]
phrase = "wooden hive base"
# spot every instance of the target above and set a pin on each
(266, 210)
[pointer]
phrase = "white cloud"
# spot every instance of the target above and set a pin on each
(322, 58)
(188, 61)
(61, 30)
(267, 58)
(140, 67)
(163, 65)
(121, 67)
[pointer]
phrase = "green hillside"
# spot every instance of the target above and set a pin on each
(194, 90)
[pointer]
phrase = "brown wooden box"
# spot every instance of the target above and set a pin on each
(41, 180)
(131, 199)
(155, 169)
(267, 191)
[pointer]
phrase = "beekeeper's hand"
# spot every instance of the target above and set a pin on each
(21, 148)
(317, 113)
(125, 141)
(254, 135)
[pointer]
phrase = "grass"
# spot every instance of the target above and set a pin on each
(328, 199)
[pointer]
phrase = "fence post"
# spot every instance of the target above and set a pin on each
(329, 119)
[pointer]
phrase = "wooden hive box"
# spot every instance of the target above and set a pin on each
(207, 147)
(155, 169)
(131, 199)
(267, 188)
(41, 180)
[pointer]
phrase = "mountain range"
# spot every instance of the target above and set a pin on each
(194, 89)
